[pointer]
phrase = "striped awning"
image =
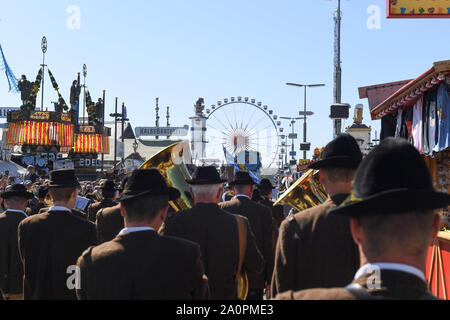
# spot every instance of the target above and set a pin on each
(40, 133)
(408, 95)
(91, 143)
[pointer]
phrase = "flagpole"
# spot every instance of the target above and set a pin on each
(103, 128)
(123, 140)
(115, 136)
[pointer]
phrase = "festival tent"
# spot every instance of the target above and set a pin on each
(14, 169)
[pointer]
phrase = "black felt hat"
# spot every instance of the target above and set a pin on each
(63, 178)
(205, 175)
(342, 152)
(147, 182)
(123, 183)
(42, 191)
(265, 184)
(242, 178)
(109, 185)
(393, 178)
(16, 190)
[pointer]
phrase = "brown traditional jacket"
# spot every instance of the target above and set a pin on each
(315, 249)
(277, 216)
(36, 208)
(395, 285)
(95, 207)
(142, 266)
(11, 269)
(108, 223)
(216, 232)
(260, 218)
(50, 244)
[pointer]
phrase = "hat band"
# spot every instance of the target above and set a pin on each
(138, 191)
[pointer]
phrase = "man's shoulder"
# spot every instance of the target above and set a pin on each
(80, 218)
(179, 244)
(314, 213)
(37, 218)
(109, 211)
(95, 205)
(260, 206)
(316, 294)
(230, 203)
(120, 244)
(9, 220)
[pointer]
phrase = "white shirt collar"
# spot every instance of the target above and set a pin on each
(135, 229)
(367, 268)
(59, 208)
(242, 195)
(19, 211)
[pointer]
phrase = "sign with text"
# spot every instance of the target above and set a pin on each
(161, 131)
(87, 129)
(89, 163)
(4, 111)
(418, 8)
(40, 115)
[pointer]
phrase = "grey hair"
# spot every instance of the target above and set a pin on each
(206, 190)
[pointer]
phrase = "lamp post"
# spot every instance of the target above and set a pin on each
(115, 115)
(84, 90)
(44, 50)
(123, 138)
(305, 113)
(119, 117)
(293, 135)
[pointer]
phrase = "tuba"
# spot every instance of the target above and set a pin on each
(172, 162)
(305, 193)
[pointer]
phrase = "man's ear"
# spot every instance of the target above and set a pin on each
(219, 193)
(192, 193)
(436, 227)
(322, 175)
(163, 214)
(356, 230)
(122, 209)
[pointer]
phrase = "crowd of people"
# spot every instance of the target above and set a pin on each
(369, 240)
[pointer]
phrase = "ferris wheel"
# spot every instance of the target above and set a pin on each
(245, 130)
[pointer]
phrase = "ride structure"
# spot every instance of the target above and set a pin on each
(238, 131)
(40, 132)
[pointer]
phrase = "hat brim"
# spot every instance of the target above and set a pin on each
(394, 201)
(171, 192)
(65, 185)
(336, 162)
(266, 187)
(9, 194)
(205, 182)
(242, 183)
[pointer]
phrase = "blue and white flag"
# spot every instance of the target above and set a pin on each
(228, 157)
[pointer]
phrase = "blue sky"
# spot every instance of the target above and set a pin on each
(181, 50)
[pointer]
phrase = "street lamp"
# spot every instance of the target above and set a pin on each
(305, 113)
(293, 135)
(118, 117)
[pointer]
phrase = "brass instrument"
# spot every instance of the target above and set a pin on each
(48, 201)
(171, 163)
(305, 193)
